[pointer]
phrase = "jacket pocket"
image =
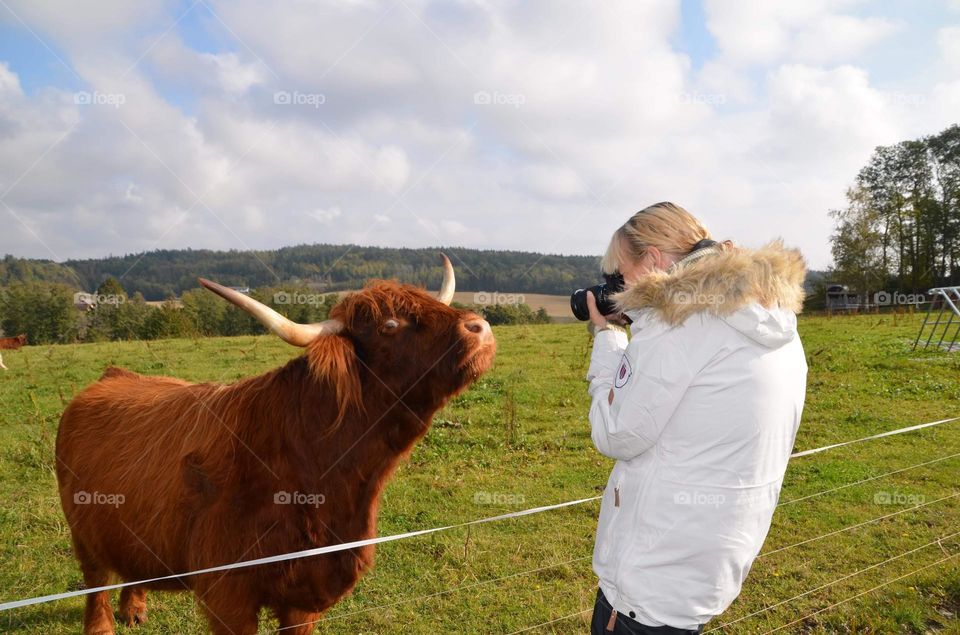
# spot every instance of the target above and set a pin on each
(610, 513)
(634, 532)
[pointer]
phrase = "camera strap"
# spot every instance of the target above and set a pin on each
(703, 248)
(703, 244)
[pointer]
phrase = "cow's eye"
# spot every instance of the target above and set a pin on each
(390, 324)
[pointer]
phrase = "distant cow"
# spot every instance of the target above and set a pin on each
(11, 344)
(160, 476)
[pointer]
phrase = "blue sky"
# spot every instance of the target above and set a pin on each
(693, 36)
(537, 126)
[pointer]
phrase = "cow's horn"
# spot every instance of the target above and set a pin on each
(288, 330)
(449, 282)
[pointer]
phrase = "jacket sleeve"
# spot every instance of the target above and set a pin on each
(648, 381)
(608, 347)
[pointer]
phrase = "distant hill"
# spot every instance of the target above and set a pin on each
(159, 274)
(26, 270)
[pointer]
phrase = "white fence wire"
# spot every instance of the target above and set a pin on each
(6, 606)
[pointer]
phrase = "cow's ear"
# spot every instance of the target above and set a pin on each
(333, 362)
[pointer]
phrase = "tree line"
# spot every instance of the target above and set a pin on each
(159, 274)
(55, 312)
(900, 230)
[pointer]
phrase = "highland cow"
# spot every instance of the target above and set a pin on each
(160, 476)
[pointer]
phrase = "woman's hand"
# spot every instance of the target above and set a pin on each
(598, 320)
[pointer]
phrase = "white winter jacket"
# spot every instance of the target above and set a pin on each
(707, 398)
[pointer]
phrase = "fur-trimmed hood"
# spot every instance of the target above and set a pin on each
(758, 292)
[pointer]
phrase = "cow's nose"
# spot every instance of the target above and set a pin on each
(480, 327)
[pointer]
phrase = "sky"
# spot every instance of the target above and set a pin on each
(539, 126)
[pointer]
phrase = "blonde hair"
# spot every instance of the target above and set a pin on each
(666, 226)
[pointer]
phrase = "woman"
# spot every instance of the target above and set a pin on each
(700, 410)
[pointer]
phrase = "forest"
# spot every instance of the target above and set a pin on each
(900, 230)
(54, 313)
(158, 275)
(46, 300)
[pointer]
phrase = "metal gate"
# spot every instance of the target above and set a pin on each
(944, 303)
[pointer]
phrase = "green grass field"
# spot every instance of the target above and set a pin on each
(520, 438)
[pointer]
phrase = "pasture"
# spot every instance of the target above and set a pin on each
(862, 519)
(556, 306)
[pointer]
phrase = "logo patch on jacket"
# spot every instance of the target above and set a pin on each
(623, 373)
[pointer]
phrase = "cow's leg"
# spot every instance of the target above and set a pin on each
(133, 605)
(229, 611)
(98, 615)
(1, 363)
(297, 622)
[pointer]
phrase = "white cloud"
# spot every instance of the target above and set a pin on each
(552, 182)
(840, 37)
(721, 77)
(234, 76)
(392, 168)
(326, 216)
(748, 31)
(760, 140)
(825, 114)
(9, 81)
(453, 228)
(97, 22)
(131, 194)
(767, 32)
(948, 39)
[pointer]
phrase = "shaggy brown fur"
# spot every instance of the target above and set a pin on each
(722, 283)
(160, 476)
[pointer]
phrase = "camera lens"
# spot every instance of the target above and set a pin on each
(602, 292)
(578, 304)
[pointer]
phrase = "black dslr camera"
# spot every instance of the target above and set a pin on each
(602, 292)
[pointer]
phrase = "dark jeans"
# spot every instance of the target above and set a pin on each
(625, 625)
